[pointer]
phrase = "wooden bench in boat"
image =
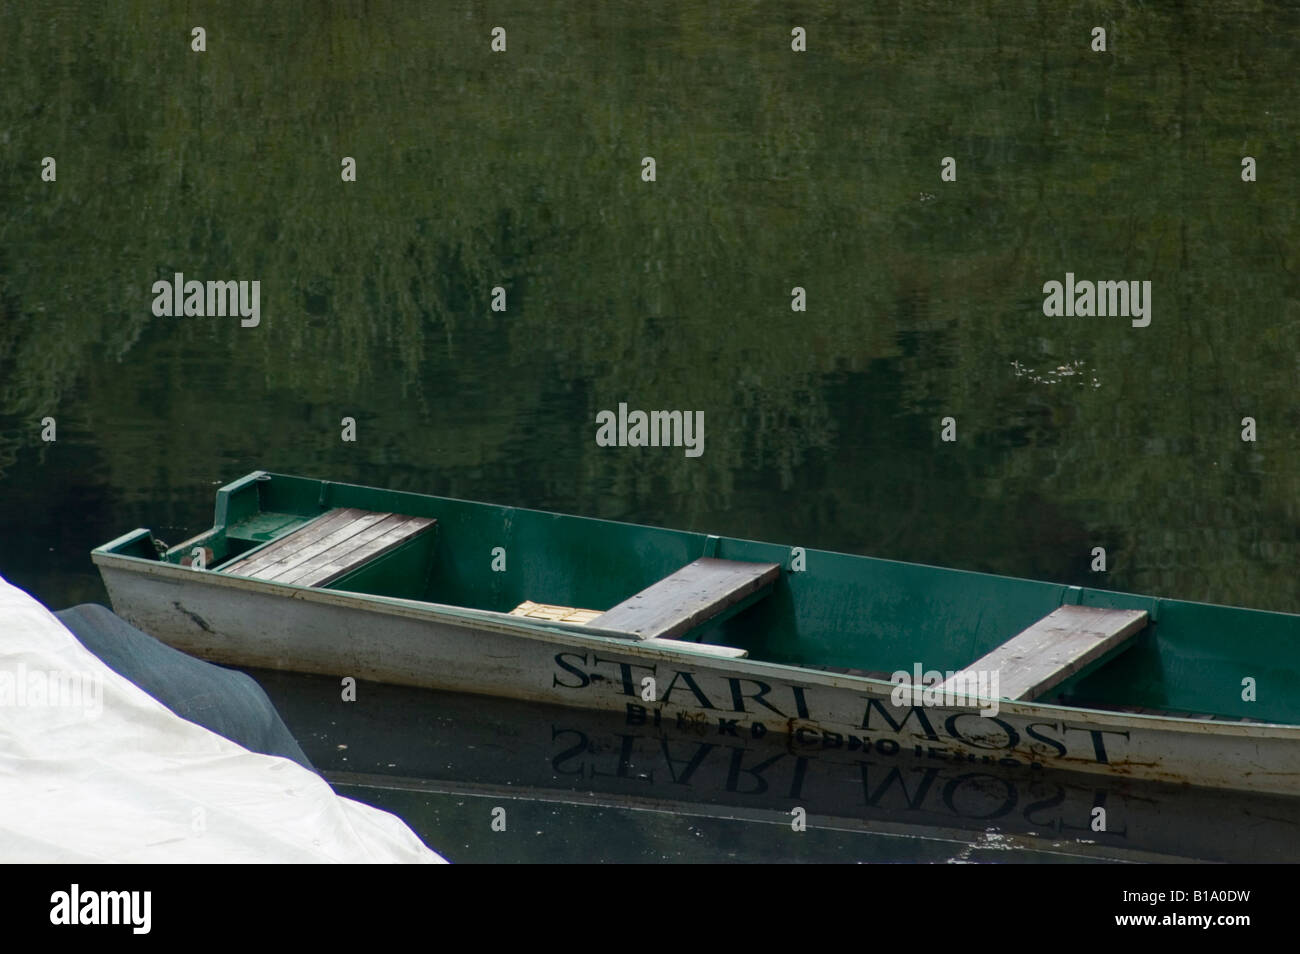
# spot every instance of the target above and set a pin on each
(677, 604)
(582, 617)
(692, 596)
(1056, 647)
(330, 547)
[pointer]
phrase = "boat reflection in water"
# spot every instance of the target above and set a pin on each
(583, 785)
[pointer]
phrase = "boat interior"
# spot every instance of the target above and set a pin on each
(845, 613)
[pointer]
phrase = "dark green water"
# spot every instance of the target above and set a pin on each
(775, 169)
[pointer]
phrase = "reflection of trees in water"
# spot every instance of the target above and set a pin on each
(774, 171)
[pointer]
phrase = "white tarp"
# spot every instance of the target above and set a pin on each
(93, 769)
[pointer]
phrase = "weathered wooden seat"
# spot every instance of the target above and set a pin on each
(1056, 647)
(692, 596)
(330, 547)
(583, 617)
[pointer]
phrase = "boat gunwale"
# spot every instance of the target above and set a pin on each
(1075, 591)
(576, 634)
(1069, 588)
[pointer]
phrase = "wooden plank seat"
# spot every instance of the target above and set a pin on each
(692, 596)
(1056, 647)
(581, 617)
(330, 547)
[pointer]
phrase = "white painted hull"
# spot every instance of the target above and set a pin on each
(252, 623)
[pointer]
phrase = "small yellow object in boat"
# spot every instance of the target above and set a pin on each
(558, 614)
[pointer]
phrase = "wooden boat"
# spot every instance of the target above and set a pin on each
(731, 637)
